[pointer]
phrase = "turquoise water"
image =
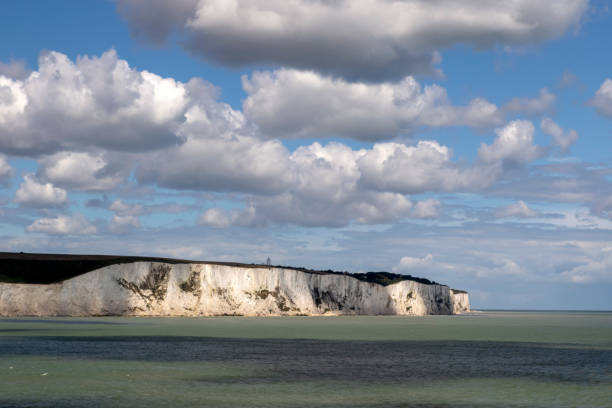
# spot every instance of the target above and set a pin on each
(492, 359)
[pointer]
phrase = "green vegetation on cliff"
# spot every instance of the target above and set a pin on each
(53, 268)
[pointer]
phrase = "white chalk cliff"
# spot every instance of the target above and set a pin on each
(160, 289)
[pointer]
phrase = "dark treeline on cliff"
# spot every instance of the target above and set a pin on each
(20, 267)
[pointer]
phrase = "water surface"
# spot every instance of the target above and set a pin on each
(493, 359)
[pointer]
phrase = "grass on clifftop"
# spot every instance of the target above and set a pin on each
(53, 268)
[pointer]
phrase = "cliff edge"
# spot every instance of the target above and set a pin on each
(209, 289)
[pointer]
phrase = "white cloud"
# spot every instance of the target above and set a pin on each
(98, 101)
(300, 104)
(79, 171)
(121, 224)
(580, 219)
(63, 225)
(479, 113)
(6, 171)
(218, 218)
(518, 209)
(226, 163)
(342, 208)
(15, 69)
(325, 191)
(330, 170)
(561, 138)
(125, 218)
(13, 101)
(541, 104)
(426, 209)
(218, 153)
(409, 262)
(417, 169)
(558, 181)
(379, 208)
(186, 252)
(598, 268)
(32, 193)
(513, 145)
(504, 267)
(316, 185)
(355, 39)
(602, 101)
(216, 148)
(122, 208)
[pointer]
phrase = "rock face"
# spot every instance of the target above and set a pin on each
(160, 289)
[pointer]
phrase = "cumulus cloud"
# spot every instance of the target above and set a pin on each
(324, 191)
(427, 166)
(15, 69)
(513, 145)
(6, 171)
(97, 101)
(301, 104)
(32, 193)
(79, 171)
(602, 101)
(563, 139)
(226, 163)
(518, 209)
(318, 185)
(12, 100)
(378, 39)
(216, 148)
(541, 104)
(63, 225)
(154, 20)
(378, 208)
(364, 207)
(409, 262)
(478, 113)
(334, 185)
(315, 185)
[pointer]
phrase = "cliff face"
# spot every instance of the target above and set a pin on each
(160, 289)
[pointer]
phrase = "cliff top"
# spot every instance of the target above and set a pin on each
(20, 267)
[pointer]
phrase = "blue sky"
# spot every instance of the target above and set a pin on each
(473, 149)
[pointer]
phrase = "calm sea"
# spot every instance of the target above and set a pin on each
(488, 359)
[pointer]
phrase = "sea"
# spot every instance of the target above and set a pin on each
(482, 359)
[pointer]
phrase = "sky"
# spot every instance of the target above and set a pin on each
(466, 142)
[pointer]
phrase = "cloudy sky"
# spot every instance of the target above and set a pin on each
(466, 142)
